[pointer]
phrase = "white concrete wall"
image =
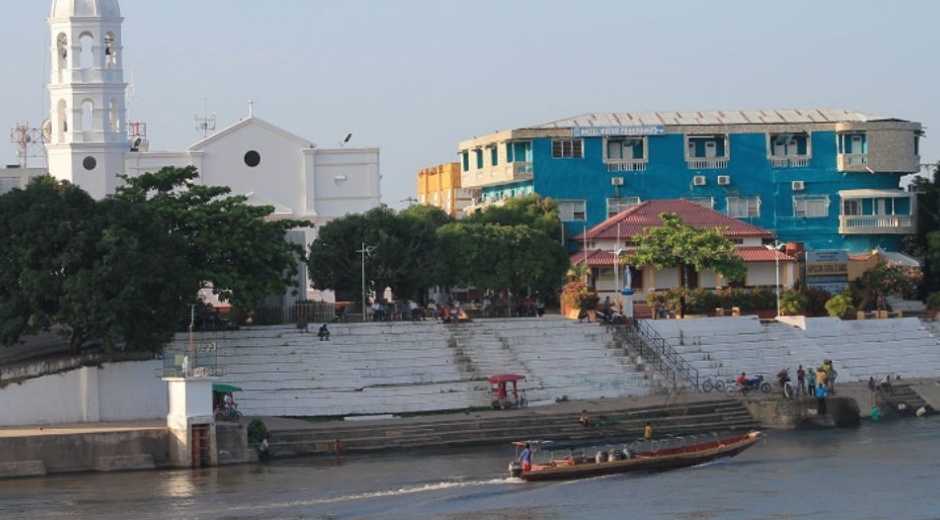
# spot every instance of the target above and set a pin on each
(114, 392)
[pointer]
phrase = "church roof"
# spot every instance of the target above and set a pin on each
(85, 8)
(252, 120)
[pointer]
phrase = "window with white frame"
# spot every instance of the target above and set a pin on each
(851, 207)
(743, 207)
(616, 205)
(705, 202)
(811, 206)
(567, 148)
(572, 210)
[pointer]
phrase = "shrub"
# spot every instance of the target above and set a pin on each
(793, 303)
(576, 295)
(257, 431)
(933, 301)
(840, 305)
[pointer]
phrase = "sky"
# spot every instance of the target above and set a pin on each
(416, 77)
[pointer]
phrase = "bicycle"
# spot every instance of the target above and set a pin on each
(708, 385)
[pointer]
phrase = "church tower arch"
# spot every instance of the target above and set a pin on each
(88, 94)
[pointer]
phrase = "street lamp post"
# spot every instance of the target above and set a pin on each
(773, 247)
(364, 251)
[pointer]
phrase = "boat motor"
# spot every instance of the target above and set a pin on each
(515, 469)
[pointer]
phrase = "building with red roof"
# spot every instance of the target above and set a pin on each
(601, 244)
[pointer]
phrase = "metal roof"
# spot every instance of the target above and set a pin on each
(717, 117)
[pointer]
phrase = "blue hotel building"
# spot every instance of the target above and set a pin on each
(828, 178)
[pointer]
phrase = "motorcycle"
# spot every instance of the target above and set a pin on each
(750, 385)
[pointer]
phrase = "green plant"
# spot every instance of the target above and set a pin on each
(793, 303)
(562, 399)
(840, 305)
(576, 295)
(257, 431)
(933, 301)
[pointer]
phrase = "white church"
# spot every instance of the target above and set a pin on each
(89, 142)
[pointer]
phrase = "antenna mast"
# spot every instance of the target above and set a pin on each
(29, 143)
(205, 124)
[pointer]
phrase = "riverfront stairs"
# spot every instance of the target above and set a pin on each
(620, 420)
(402, 367)
(724, 347)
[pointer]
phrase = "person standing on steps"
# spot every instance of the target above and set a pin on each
(648, 431)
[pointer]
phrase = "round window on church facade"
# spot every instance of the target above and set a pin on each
(89, 163)
(252, 158)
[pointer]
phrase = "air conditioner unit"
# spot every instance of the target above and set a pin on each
(724, 180)
(798, 185)
(698, 180)
(616, 181)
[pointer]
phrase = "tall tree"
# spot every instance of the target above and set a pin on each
(676, 244)
(231, 246)
(925, 244)
(533, 211)
(515, 258)
(104, 271)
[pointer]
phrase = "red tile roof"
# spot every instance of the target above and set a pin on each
(754, 254)
(634, 220)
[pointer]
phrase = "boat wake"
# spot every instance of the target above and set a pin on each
(411, 490)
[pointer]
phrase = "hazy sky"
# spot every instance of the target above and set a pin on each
(415, 77)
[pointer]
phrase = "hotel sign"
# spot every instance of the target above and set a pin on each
(616, 131)
(828, 270)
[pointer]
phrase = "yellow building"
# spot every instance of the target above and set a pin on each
(440, 186)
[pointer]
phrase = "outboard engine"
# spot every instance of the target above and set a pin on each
(515, 469)
(615, 455)
(601, 456)
(630, 454)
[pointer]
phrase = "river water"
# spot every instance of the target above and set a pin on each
(885, 470)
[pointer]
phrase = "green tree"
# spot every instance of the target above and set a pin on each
(404, 252)
(104, 271)
(925, 243)
(515, 258)
(232, 247)
(533, 211)
(676, 244)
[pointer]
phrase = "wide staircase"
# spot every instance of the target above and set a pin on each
(402, 367)
(721, 348)
(683, 416)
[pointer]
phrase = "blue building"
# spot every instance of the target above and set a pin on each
(827, 178)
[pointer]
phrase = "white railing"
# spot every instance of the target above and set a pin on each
(790, 161)
(887, 223)
(614, 165)
(711, 163)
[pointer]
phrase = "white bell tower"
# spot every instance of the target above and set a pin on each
(87, 137)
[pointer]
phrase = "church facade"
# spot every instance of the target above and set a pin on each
(89, 141)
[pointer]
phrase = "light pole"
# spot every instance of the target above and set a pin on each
(773, 248)
(364, 251)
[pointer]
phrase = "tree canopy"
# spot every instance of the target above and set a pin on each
(421, 247)
(123, 270)
(231, 246)
(925, 243)
(676, 244)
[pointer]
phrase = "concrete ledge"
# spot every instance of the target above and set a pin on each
(125, 462)
(23, 468)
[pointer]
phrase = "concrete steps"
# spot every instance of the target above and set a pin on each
(498, 427)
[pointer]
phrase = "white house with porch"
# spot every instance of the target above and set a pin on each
(602, 244)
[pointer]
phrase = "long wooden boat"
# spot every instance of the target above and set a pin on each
(556, 461)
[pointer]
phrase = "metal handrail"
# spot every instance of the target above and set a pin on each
(667, 360)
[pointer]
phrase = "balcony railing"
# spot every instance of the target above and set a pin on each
(852, 161)
(886, 224)
(631, 165)
(708, 163)
(789, 161)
